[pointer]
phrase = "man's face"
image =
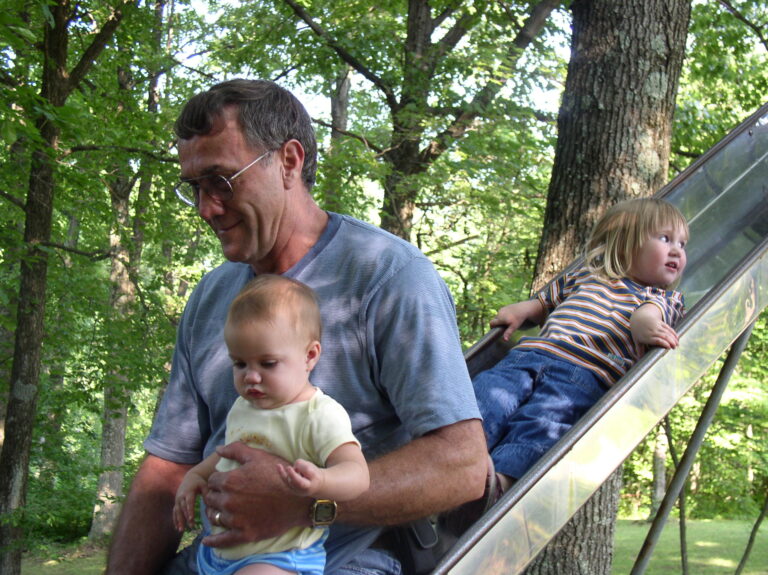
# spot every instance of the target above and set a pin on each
(248, 225)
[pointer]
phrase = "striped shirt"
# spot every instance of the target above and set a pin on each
(588, 321)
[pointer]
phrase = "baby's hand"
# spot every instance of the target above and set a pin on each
(516, 314)
(303, 477)
(649, 328)
(659, 334)
(184, 505)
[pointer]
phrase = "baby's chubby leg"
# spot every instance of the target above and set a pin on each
(263, 569)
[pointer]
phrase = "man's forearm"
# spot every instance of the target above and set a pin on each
(433, 473)
(145, 538)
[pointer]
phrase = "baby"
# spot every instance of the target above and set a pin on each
(273, 337)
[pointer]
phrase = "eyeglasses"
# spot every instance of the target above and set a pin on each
(216, 186)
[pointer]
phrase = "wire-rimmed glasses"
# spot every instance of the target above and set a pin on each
(216, 186)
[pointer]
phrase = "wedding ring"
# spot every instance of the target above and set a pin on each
(217, 518)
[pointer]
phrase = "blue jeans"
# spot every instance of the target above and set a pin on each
(528, 401)
(371, 562)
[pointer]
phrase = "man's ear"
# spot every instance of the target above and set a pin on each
(313, 354)
(292, 160)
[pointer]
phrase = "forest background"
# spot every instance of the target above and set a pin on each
(450, 147)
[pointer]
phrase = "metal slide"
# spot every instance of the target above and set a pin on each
(724, 196)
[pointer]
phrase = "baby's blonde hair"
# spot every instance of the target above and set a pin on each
(268, 296)
(622, 231)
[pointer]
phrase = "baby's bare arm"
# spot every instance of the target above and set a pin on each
(649, 328)
(195, 483)
(344, 478)
(516, 314)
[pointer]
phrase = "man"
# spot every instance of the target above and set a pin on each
(391, 350)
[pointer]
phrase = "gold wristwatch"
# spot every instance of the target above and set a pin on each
(323, 512)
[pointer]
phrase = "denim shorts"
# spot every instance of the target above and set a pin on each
(308, 561)
(528, 401)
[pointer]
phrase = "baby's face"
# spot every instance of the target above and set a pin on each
(271, 362)
(661, 259)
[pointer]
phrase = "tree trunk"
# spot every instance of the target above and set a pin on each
(613, 143)
(127, 244)
(334, 176)
(25, 370)
(57, 84)
(116, 389)
(16, 158)
(110, 485)
(408, 155)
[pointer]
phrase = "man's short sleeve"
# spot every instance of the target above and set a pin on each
(418, 358)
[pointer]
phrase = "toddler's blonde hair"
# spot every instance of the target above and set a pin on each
(624, 228)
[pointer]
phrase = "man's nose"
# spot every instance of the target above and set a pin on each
(209, 206)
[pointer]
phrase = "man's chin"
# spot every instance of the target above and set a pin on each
(232, 253)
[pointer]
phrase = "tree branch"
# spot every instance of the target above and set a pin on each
(447, 11)
(366, 142)
(442, 248)
(140, 151)
(96, 47)
(12, 199)
(343, 54)
(91, 255)
(739, 16)
(472, 110)
(453, 36)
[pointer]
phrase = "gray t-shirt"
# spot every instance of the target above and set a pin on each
(390, 350)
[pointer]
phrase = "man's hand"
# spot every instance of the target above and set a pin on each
(252, 502)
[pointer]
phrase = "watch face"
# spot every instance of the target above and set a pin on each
(324, 512)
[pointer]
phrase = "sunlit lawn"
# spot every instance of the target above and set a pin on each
(715, 548)
(86, 561)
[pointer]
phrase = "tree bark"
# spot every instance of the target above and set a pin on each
(613, 143)
(17, 158)
(116, 387)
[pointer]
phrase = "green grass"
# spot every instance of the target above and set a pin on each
(83, 560)
(714, 548)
